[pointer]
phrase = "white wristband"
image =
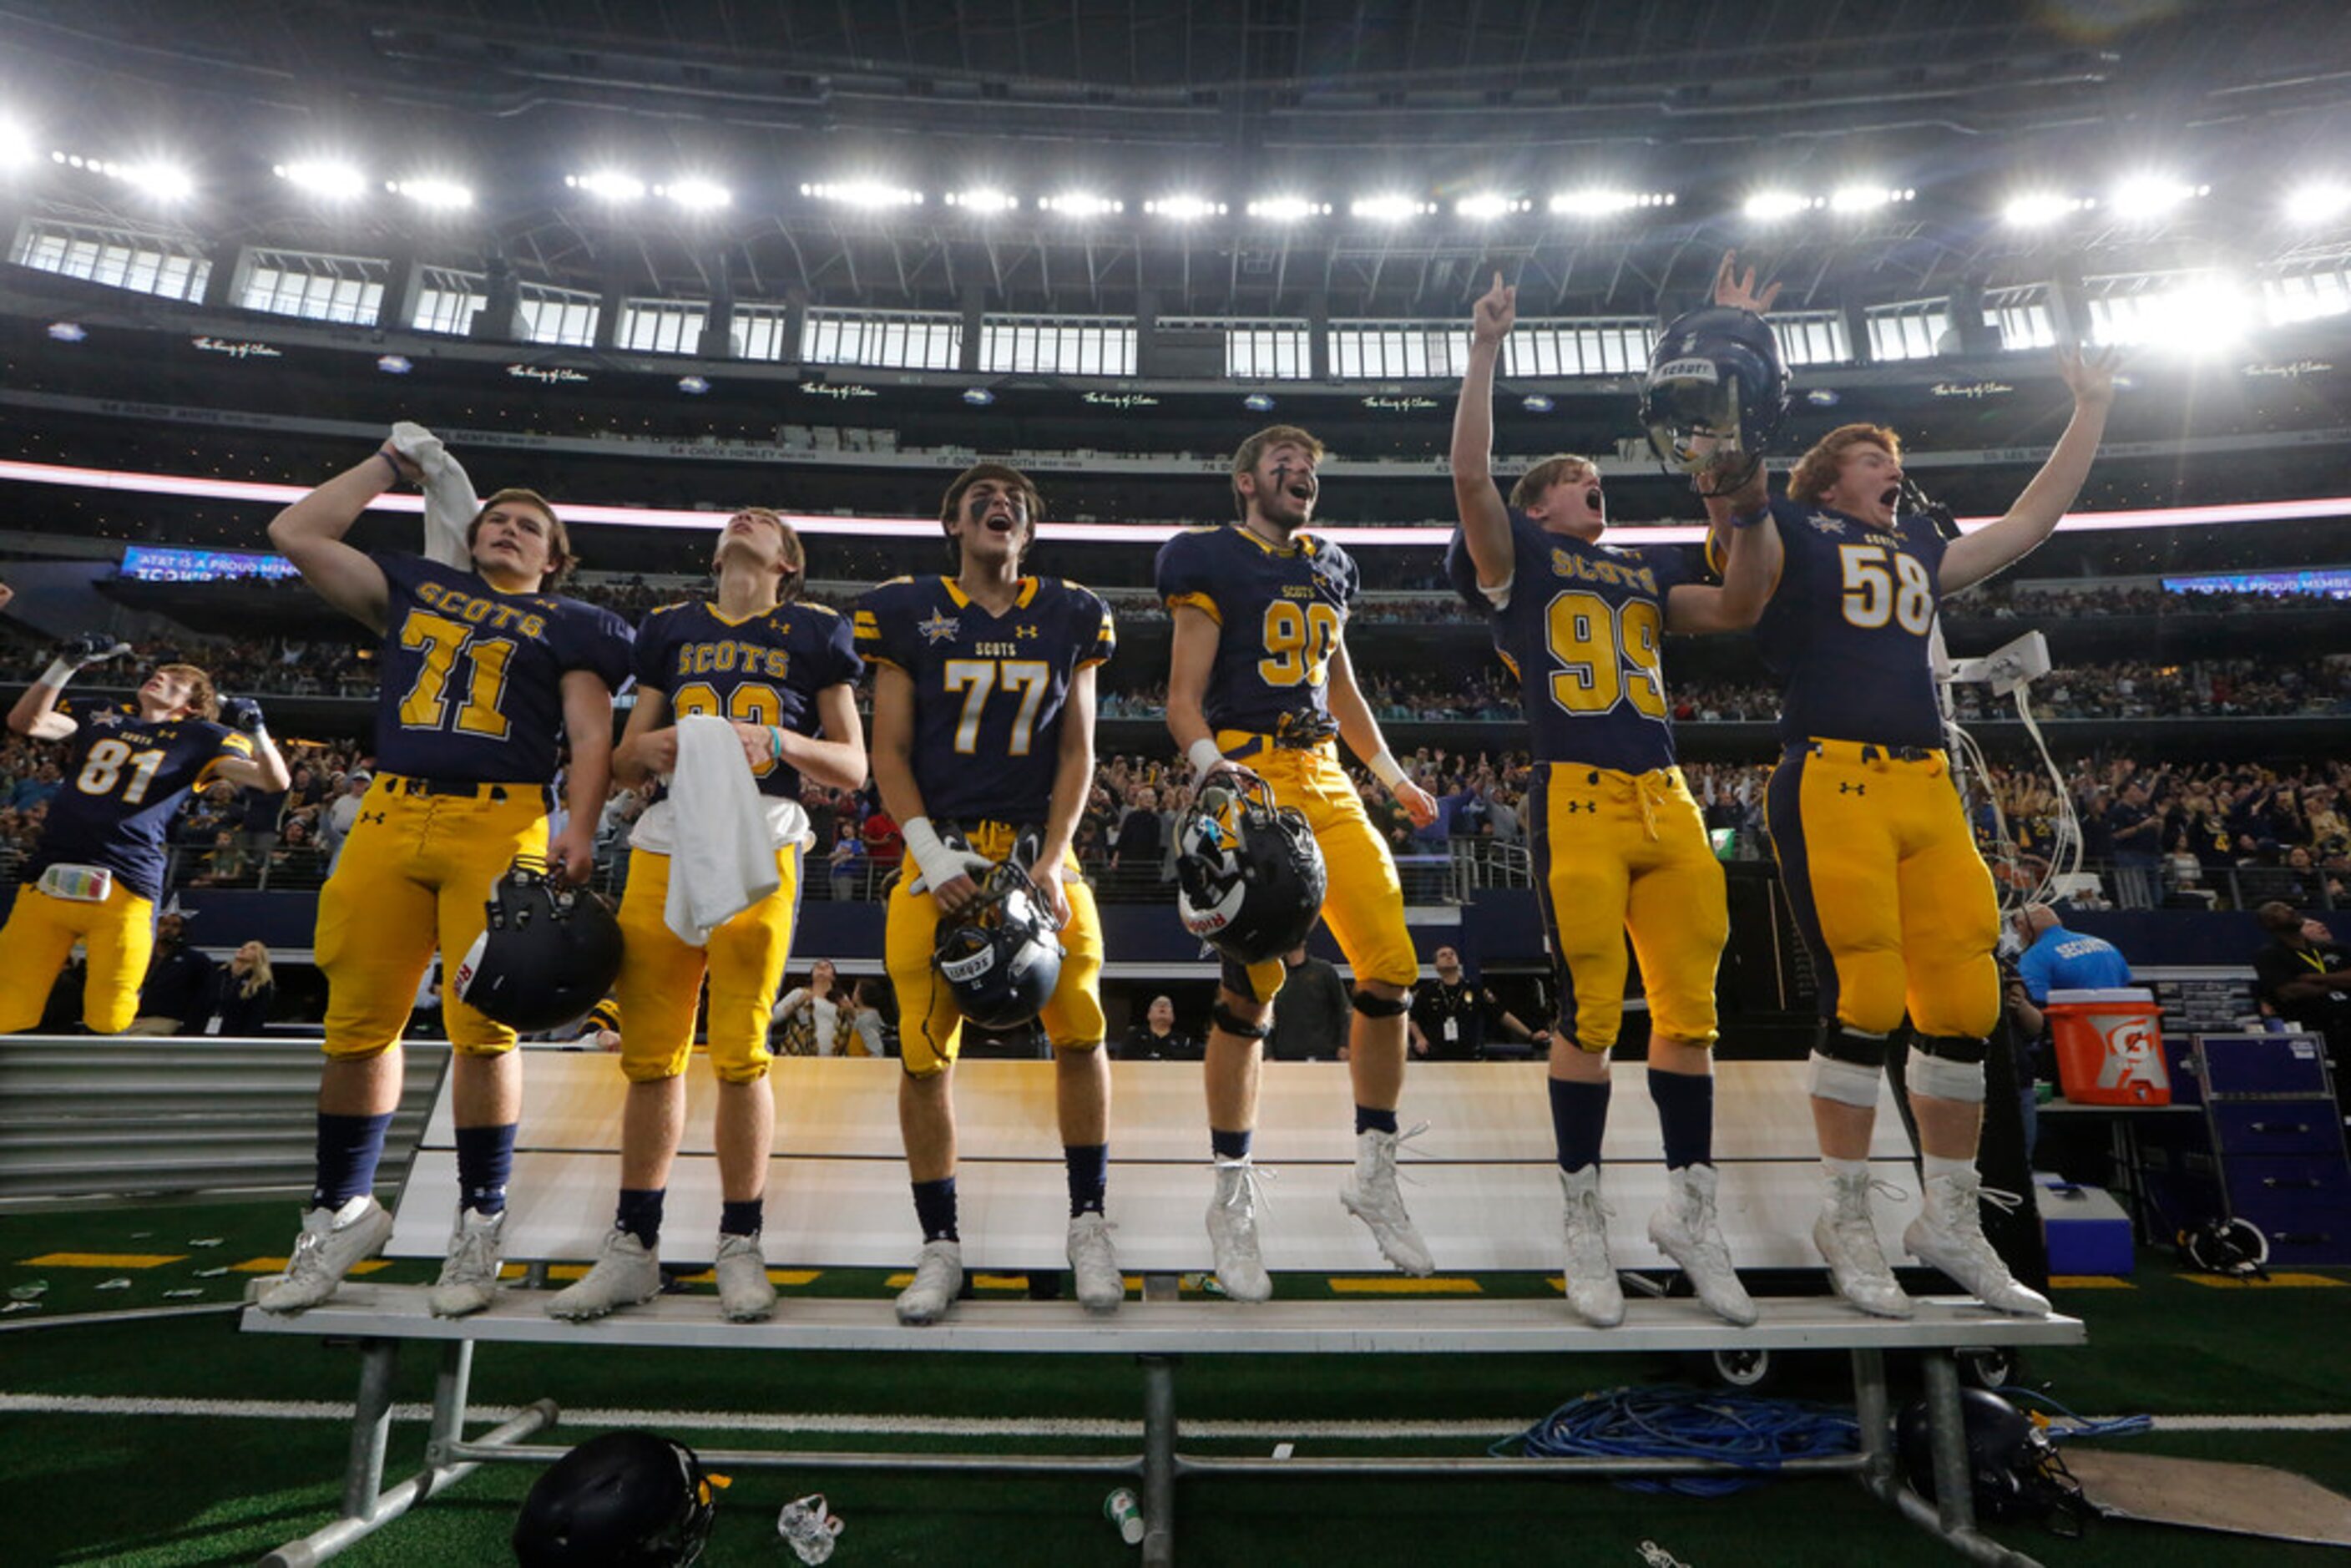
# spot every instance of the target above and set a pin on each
(58, 673)
(1206, 756)
(1384, 767)
(940, 864)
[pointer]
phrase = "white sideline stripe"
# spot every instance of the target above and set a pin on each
(927, 1425)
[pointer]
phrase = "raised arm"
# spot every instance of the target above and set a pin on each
(1485, 521)
(309, 533)
(265, 769)
(1361, 731)
(35, 714)
(1748, 543)
(2035, 513)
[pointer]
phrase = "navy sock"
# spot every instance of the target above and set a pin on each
(1370, 1120)
(1089, 1176)
(935, 1206)
(641, 1214)
(484, 1161)
(349, 1148)
(1685, 1115)
(1229, 1145)
(1579, 1116)
(742, 1218)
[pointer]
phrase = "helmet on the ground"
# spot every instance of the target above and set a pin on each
(548, 953)
(1716, 384)
(2013, 1471)
(1002, 957)
(626, 1499)
(1248, 875)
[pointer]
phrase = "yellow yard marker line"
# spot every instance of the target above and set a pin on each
(776, 1276)
(2089, 1282)
(2274, 1282)
(1401, 1286)
(104, 1259)
(277, 1266)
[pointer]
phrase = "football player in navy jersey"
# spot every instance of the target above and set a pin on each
(983, 751)
(783, 672)
(1881, 869)
(1620, 848)
(1259, 682)
(483, 672)
(97, 871)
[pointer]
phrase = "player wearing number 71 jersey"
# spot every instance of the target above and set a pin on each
(481, 671)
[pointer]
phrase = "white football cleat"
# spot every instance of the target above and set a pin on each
(1372, 1197)
(1590, 1278)
(625, 1274)
(1949, 1235)
(469, 1280)
(1687, 1231)
(1094, 1263)
(1848, 1241)
(938, 1280)
(332, 1241)
(1232, 1232)
(745, 1294)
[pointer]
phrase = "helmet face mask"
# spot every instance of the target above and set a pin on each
(1249, 875)
(626, 1499)
(1716, 384)
(1002, 959)
(547, 952)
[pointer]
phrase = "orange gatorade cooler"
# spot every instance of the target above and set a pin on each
(2109, 1047)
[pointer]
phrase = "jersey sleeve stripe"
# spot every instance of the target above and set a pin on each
(1200, 602)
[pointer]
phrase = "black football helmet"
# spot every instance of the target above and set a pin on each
(626, 1499)
(1248, 875)
(2014, 1471)
(1716, 383)
(1002, 957)
(548, 954)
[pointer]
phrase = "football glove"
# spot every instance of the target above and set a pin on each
(241, 714)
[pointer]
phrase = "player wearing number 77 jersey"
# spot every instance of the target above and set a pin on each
(1881, 869)
(1259, 682)
(482, 671)
(1620, 849)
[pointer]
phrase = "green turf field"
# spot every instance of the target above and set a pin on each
(170, 1441)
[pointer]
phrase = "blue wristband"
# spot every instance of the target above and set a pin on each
(1760, 515)
(389, 463)
(775, 743)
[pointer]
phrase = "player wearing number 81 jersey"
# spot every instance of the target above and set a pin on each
(1259, 682)
(481, 670)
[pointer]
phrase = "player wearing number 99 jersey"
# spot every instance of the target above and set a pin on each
(983, 750)
(1881, 869)
(1259, 682)
(480, 670)
(98, 869)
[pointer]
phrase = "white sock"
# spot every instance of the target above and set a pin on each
(1846, 1170)
(1938, 1165)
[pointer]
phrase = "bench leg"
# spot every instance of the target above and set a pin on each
(1158, 1460)
(371, 1428)
(1874, 1416)
(451, 1389)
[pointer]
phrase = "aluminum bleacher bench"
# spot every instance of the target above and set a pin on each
(1481, 1182)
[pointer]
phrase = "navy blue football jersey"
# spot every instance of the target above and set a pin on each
(1283, 610)
(988, 689)
(1584, 633)
(124, 779)
(1846, 630)
(767, 669)
(472, 679)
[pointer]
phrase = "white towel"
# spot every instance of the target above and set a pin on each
(723, 857)
(449, 500)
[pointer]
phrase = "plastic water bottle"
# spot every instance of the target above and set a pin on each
(809, 1527)
(1121, 1508)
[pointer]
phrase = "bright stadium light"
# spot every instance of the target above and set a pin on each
(1488, 205)
(1081, 205)
(2152, 195)
(1867, 198)
(1600, 201)
(1771, 207)
(1184, 209)
(696, 194)
(335, 182)
(1390, 208)
(428, 191)
(869, 195)
(1288, 209)
(2039, 209)
(164, 181)
(984, 201)
(16, 148)
(2318, 201)
(608, 185)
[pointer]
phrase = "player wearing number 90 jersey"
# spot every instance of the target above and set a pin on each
(480, 671)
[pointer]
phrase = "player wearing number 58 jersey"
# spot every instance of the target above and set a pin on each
(983, 750)
(482, 671)
(98, 870)
(1881, 869)
(1259, 683)
(1619, 847)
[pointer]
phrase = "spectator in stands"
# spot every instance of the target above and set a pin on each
(2136, 830)
(335, 822)
(246, 991)
(845, 861)
(177, 998)
(2056, 959)
(870, 1018)
(226, 865)
(1141, 842)
(2303, 975)
(295, 862)
(816, 1018)
(1156, 1038)
(884, 845)
(36, 787)
(1310, 1015)
(1451, 1013)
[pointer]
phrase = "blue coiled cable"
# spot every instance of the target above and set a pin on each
(1756, 1433)
(2113, 1426)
